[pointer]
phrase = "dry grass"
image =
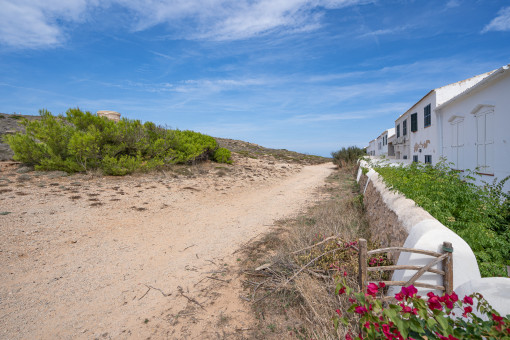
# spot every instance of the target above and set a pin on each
(300, 263)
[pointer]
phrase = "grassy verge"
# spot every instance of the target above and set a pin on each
(291, 273)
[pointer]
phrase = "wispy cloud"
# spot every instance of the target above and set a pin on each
(34, 24)
(390, 108)
(386, 31)
(499, 23)
(37, 24)
(452, 4)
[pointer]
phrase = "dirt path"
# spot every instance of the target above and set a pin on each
(134, 258)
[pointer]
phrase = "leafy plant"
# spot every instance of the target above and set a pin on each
(414, 318)
(478, 214)
(80, 141)
(222, 155)
(347, 156)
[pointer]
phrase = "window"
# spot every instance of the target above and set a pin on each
(414, 122)
(457, 143)
(405, 157)
(484, 139)
(415, 158)
(427, 119)
(428, 159)
(398, 130)
(404, 127)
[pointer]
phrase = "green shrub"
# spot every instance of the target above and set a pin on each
(222, 155)
(80, 141)
(347, 156)
(478, 214)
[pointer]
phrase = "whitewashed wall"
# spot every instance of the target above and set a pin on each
(425, 232)
(458, 121)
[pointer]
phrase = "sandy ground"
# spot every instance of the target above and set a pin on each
(151, 256)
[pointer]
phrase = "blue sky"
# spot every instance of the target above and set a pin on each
(305, 75)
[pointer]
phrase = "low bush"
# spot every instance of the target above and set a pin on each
(478, 214)
(414, 318)
(347, 156)
(222, 155)
(81, 141)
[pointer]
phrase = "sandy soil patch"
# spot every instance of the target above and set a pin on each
(140, 256)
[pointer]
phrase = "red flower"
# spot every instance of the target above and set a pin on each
(454, 297)
(434, 303)
(467, 310)
(372, 289)
(382, 284)
(360, 310)
(468, 299)
(338, 312)
(450, 337)
(367, 325)
(341, 291)
(498, 319)
(399, 296)
(348, 337)
(409, 291)
(351, 300)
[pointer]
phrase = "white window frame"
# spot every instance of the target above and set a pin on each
(457, 141)
(484, 119)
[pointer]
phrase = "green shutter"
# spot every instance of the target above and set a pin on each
(414, 122)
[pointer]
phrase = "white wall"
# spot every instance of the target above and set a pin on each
(458, 121)
(402, 143)
(371, 148)
(424, 140)
(381, 143)
(425, 232)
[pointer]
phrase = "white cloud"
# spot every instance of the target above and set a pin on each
(33, 24)
(36, 24)
(499, 23)
(452, 4)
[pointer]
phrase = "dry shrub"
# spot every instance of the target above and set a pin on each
(293, 294)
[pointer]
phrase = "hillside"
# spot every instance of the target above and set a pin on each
(10, 124)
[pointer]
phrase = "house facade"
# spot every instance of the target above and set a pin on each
(417, 129)
(381, 142)
(474, 128)
(402, 144)
(371, 148)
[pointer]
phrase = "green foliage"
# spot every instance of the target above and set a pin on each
(412, 317)
(478, 214)
(347, 156)
(222, 155)
(80, 141)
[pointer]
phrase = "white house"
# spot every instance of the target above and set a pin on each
(402, 144)
(416, 129)
(474, 127)
(382, 142)
(371, 148)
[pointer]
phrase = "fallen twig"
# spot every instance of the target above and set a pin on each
(190, 299)
(315, 245)
(188, 247)
(159, 290)
(215, 278)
